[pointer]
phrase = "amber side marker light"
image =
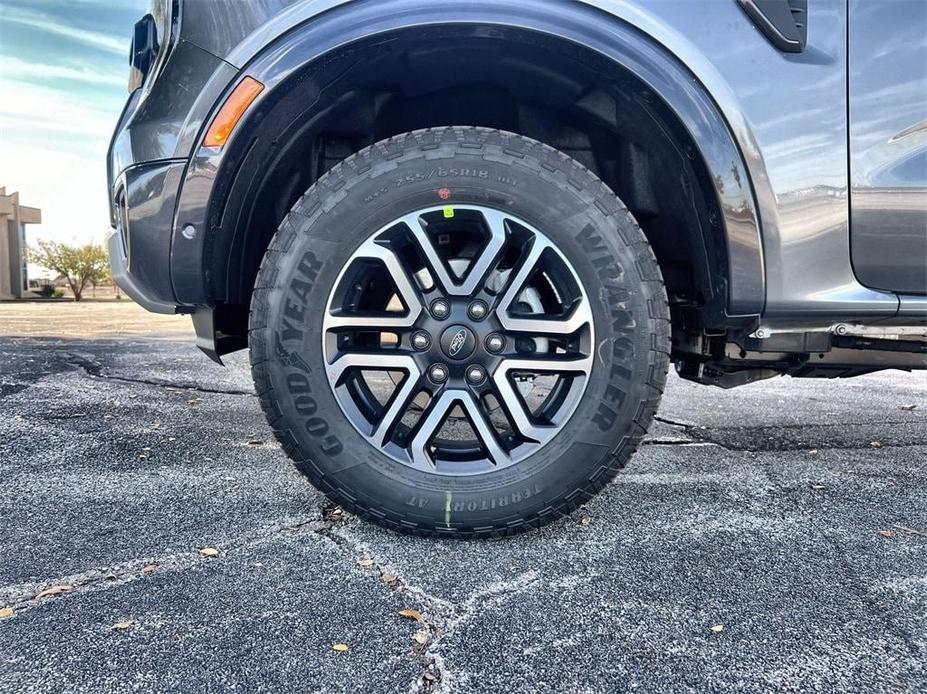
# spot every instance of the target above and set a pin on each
(231, 112)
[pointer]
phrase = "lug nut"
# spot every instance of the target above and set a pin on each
(478, 310)
(476, 374)
(421, 341)
(495, 343)
(440, 309)
(438, 373)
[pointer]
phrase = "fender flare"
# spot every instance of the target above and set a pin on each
(621, 43)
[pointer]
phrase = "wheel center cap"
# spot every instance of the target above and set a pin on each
(458, 342)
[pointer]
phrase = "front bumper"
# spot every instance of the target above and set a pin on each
(122, 277)
(144, 198)
(147, 156)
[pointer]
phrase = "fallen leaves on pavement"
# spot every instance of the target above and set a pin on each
(365, 562)
(717, 628)
(54, 590)
(125, 624)
(340, 647)
(209, 552)
(411, 614)
(6, 612)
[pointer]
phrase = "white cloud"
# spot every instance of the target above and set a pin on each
(14, 68)
(54, 153)
(30, 109)
(49, 24)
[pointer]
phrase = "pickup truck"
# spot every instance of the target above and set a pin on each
(465, 240)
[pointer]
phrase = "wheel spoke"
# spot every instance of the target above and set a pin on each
(370, 361)
(389, 322)
(435, 415)
(428, 425)
(405, 288)
(547, 326)
(397, 407)
(479, 267)
(515, 406)
(579, 316)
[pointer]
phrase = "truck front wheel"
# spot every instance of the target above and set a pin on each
(459, 332)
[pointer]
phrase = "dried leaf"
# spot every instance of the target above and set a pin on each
(340, 647)
(875, 444)
(123, 625)
(411, 614)
(54, 590)
(6, 612)
(388, 578)
(886, 533)
(209, 552)
(149, 568)
(717, 628)
(911, 531)
(421, 638)
(586, 520)
(365, 562)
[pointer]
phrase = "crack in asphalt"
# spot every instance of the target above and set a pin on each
(440, 617)
(178, 386)
(870, 603)
(24, 596)
(672, 422)
(95, 370)
(702, 435)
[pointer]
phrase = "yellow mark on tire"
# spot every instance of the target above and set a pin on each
(448, 212)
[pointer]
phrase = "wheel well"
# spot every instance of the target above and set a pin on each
(533, 84)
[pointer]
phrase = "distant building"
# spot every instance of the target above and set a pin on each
(14, 278)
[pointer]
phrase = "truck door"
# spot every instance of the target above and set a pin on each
(888, 143)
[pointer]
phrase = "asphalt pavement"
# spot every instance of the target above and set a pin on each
(767, 538)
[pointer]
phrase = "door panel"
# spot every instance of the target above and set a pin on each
(888, 143)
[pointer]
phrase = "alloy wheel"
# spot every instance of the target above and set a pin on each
(458, 339)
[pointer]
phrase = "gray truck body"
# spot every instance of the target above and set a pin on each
(815, 149)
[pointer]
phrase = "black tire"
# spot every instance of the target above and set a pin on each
(485, 167)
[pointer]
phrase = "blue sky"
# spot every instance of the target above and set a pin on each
(63, 76)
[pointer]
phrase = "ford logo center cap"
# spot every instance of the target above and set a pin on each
(458, 342)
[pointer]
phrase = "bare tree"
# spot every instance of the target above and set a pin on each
(79, 265)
